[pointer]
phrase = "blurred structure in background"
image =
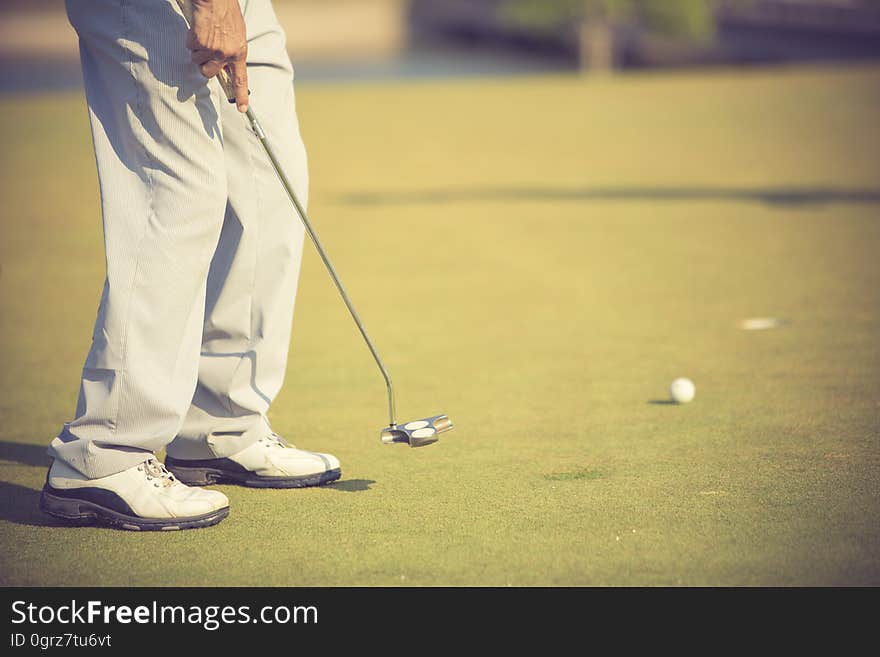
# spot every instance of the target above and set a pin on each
(343, 29)
(609, 34)
(366, 39)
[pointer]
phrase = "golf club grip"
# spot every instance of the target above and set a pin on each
(222, 77)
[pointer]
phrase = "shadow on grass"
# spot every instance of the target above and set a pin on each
(785, 196)
(23, 453)
(661, 402)
(351, 485)
(21, 505)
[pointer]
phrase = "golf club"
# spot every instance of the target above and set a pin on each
(417, 433)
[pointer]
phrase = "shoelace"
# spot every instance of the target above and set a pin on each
(157, 471)
(275, 440)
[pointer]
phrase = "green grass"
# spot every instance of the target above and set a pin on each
(581, 473)
(538, 257)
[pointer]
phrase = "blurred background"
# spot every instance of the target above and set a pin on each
(369, 39)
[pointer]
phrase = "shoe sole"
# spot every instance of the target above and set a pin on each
(83, 512)
(204, 476)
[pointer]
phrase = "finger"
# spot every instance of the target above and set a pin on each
(211, 68)
(202, 56)
(191, 41)
(238, 74)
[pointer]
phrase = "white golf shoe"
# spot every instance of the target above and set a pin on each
(144, 497)
(271, 462)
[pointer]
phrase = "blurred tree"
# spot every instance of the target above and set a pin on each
(594, 21)
(686, 18)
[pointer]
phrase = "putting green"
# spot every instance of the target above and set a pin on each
(538, 257)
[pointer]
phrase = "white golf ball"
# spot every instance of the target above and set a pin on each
(682, 391)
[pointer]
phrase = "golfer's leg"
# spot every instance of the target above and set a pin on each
(159, 156)
(253, 278)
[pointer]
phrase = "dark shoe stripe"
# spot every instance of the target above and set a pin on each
(227, 465)
(99, 496)
(214, 471)
(86, 511)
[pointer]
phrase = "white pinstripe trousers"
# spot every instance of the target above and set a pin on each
(203, 249)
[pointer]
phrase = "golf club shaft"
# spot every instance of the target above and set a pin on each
(258, 130)
(229, 90)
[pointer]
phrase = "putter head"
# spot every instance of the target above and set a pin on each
(417, 433)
